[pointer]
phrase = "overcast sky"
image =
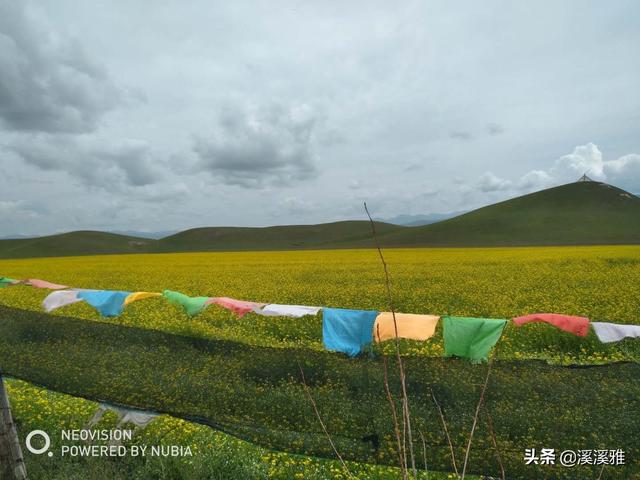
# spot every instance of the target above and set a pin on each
(162, 115)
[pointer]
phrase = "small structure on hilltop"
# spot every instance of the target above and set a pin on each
(584, 178)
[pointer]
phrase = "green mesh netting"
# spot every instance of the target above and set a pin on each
(256, 393)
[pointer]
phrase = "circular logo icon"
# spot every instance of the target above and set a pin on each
(45, 437)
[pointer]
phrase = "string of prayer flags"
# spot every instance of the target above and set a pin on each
(347, 331)
(577, 325)
(343, 330)
(471, 338)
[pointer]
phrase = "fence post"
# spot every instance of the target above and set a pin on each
(12, 465)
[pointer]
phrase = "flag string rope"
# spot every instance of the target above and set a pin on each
(111, 303)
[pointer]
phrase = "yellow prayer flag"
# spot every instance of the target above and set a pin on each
(410, 326)
(135, 296)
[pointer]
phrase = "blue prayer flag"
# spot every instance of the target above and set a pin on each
(108, 302)
(347, 330)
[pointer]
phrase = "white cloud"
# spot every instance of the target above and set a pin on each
(584, 159)
(255, 147)
(623, 172)
(534, 180)
(489, 182)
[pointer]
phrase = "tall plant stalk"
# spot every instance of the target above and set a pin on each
(324, 428)
(406, 416)
(475, 418)
(446, 434)
(394, 415)
(495, 442)
(424, 453)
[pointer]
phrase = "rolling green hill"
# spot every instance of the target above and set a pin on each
(581, 213)
(325, 235)
(73, 243)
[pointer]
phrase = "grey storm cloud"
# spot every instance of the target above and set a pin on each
(461, 135)
(495, 129)
(95, 162)
(48, 83)
(260, 147)
(491, 129)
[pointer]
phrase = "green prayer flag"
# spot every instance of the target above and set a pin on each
(471, 338)
(191, 305)
(6, 281)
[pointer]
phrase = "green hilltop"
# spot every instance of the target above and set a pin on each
(581, 213)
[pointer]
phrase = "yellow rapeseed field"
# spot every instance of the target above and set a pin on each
(598, 282)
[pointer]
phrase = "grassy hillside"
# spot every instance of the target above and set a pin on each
(74, 243)
(583, 213)
(290, 237)
(326, 235)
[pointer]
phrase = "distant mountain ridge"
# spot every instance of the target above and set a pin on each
(153, 235)
(581, 213)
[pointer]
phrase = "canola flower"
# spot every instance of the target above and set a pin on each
(597, 282)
